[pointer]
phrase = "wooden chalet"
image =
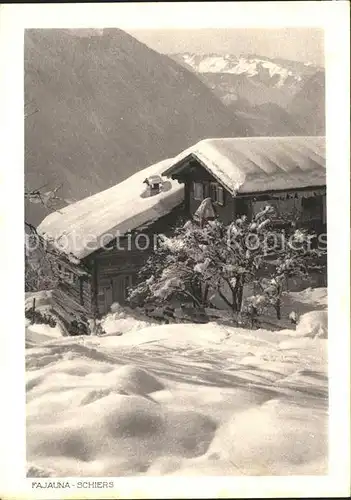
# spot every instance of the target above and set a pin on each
(242, 175)
(102, 240)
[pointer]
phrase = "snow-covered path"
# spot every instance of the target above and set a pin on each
(178, 399)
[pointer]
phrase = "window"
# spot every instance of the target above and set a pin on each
(155, 187)
(217, 193)
(198, 191)
(66, 275)
(242, 207)
(220, 195)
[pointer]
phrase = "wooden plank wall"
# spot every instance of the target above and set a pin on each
(127, 257)
(76, 295)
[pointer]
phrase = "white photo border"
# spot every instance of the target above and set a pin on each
(333, 17)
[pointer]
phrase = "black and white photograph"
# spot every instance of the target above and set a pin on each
(176, 264)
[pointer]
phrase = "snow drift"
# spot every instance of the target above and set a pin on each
(180, 400)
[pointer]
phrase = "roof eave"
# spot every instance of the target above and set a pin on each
(177, 166)
(268, 191)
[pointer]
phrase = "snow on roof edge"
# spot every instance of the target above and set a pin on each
(118, 209)
(210, 145)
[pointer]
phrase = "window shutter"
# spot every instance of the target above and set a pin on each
(220, 195)
(216, 193)
(213, 192)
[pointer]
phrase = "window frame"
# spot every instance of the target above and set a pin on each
(198, 184)
(214, 189)
(220, 189)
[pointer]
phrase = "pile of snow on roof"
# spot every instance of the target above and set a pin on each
(83, 227)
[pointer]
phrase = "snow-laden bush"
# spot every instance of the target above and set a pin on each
(253, 307)
(202, 259)
(295, 259)
(206, 258)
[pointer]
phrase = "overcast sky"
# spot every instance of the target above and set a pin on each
(299, 44)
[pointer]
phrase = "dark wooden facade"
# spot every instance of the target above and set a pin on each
(104, 277)
(312, 209)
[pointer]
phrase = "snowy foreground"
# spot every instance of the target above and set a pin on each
(179, 399)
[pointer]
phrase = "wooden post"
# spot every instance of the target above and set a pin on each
(94, 292)
(33, 312)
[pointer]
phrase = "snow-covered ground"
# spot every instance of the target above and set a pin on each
(179, 399)
(37, 334)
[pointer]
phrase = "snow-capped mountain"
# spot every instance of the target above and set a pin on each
(276, 96)
(273, 72)
(259, 80)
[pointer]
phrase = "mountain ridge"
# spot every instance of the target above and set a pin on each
(275, 96)
(259, 79)
(103, 107)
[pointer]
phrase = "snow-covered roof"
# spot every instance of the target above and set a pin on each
(85, 226)
(257, 164)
